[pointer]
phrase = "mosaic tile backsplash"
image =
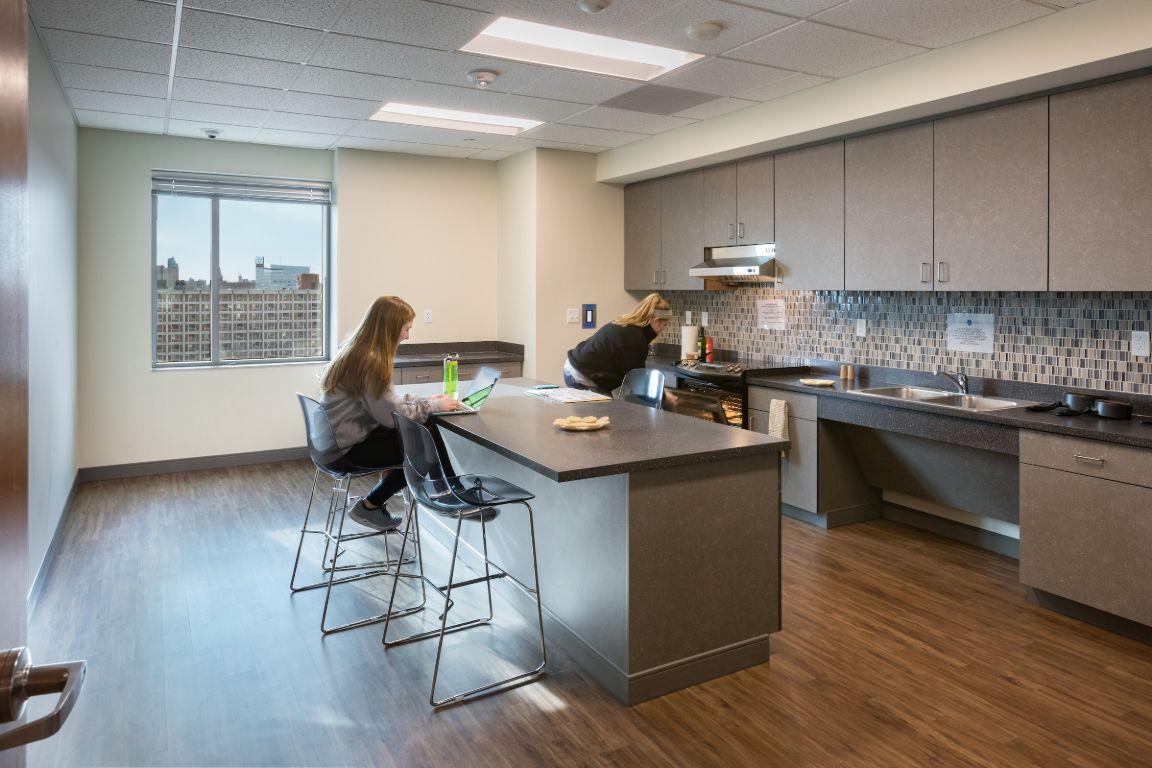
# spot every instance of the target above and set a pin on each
(1075, 340)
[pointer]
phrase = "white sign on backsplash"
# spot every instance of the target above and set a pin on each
(971, 333)
(771, 314)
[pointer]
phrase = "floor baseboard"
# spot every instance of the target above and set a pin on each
(50, 554)
(168, 466)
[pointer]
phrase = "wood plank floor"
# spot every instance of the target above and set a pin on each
(899, 649)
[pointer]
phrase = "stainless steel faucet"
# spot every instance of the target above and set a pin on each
(957, 378)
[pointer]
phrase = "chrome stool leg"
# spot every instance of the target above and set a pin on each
(304, 529)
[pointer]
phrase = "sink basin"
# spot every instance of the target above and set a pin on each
(905, 393)
(974, 402)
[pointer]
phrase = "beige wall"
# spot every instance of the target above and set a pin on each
(1094, 40)
(424, 229)
(516, 270)
(51, 303)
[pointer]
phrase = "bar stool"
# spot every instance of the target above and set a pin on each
(330, 462)
(472, 498)
(644, 386)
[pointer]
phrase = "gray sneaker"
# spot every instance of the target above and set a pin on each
(377, 519)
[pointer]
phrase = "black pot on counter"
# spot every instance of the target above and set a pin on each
(1113, 409)
(1077, 402)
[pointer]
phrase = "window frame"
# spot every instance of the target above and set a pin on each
(214, 322)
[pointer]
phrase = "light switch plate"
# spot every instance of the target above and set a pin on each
(703, 318)
(573, 315)
(687, 317)
(427, 315)
(1140, 344)
(861, 327)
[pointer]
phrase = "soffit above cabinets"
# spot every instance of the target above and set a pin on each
(311, 72)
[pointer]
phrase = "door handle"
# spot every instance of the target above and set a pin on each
(942, 272)
(740, 230)
(731, 231)
(925, 272)
(655, 277)
(20, 681)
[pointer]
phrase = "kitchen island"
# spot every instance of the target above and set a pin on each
(658, 538)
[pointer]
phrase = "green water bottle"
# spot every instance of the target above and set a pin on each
(451, 374)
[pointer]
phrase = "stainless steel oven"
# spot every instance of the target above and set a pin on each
(712, 391)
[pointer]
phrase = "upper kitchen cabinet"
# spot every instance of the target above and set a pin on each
(755, 200)
(991, 199)
(720, 205)
(888, 211)
(642, 260)
(810, 218)
(681, 229)
(1101, 195)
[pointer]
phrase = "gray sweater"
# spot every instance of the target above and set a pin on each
(353, 417)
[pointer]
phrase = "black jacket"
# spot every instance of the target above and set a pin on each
(607, 355)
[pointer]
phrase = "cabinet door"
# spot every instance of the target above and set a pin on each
(755, 195)
(642, 236)
(798, 466)
(1101, 193)
(682, 229)
(810, 218)
(991, 189)
(720, 206)
(888, 211)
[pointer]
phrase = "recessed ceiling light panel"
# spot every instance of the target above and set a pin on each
(536, 43)
(453, 119)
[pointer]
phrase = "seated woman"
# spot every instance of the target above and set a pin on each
(601, 361)
(359, 400)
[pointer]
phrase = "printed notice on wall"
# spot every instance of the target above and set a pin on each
(971, 333)
(770, 315)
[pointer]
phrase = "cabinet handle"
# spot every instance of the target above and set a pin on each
(656, 277)
(942, 272)
(663, 276)
(731, 231)
(1089, 459)
(740, 230)
(751, 422)
(925, 272)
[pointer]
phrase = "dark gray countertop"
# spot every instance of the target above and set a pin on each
(493, 356)
(519, 427)
(1131, 432)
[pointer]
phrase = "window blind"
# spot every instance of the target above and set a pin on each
(240, 187)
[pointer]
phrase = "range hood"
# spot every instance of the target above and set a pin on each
(738, 264)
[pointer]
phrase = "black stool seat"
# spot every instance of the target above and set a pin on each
(486, 491)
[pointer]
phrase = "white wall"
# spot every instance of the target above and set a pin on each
(516, 270)
(422, 228)
(51, 303)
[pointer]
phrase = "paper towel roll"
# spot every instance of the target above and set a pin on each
(689, 342)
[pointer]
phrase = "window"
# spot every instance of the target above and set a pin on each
(233, 261)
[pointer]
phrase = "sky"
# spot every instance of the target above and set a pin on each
(283, 233)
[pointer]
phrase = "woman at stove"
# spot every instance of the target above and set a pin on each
(601, 361)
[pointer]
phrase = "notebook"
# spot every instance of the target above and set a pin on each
(481, 388)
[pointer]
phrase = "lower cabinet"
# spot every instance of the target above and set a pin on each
(426, 374)
(1084, 536)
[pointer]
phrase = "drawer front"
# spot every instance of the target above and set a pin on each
(1088, 540)
(798, 467)
(801, 406)
(507, 370)
(422, 374)
(1087, 457)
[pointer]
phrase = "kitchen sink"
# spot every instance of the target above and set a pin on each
(945, 399)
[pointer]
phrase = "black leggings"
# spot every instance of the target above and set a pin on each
(382, 448)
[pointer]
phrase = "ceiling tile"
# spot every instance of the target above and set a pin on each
(820, 50)
(215, 113)
(112, 80)
(1008, 15)
(716, 108)
(332, 106)
(376, 129)
(107, 51)
(783, 87)
(230, 68)
(117, 122)
(116, 102)
(229, 94)
(404, 147)
(487, 102)
(575, 134)
(1065, 3)
(356, 85)
(626, 120)
(569, 85)
(724, 77)
(232, 34)
(295, 138)
(130, 19)
(803, 8)
(658, 99)
(613, 20)
(318, 14)
(491, 154)
(740, 25)
(406, 61)
(309, 123)
(195, 129)
(566, 147)
(921, 21)
(414, 22)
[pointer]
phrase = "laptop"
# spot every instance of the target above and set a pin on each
(481, 388)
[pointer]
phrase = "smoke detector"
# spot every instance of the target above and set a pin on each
(482, 78)
(593, 6)
(212, 133)
(705, 30)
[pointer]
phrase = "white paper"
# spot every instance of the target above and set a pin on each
(770, 315)
(971, 333)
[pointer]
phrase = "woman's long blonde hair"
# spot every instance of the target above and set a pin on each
(364, 363)
(642, 315)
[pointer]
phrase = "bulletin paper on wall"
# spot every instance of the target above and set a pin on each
(770, 315)
(971, 333)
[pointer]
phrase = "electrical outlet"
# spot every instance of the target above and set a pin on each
(427, 315)
(703, 318)
(861, 327)
(572, 315)
(687, 317)
(1140, 344)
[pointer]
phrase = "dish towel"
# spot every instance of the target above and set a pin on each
(778, 420)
